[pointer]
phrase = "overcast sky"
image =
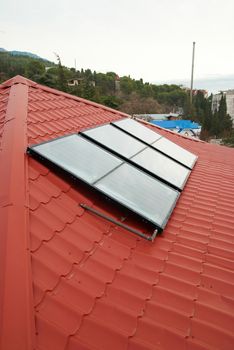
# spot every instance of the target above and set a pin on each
(149, 39)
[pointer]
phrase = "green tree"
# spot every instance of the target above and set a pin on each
(206, 119)
(34, 68)
(62, 81)
(221, 121)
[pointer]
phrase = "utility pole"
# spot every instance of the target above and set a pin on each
(191, 88)
(75, 64)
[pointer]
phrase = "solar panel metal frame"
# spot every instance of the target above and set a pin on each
(150, 145)
(157, 135)
(130, 161)
(31, 150)
(158, 226)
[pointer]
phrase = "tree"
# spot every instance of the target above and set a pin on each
(62, 82)
(229, 141)
(221, 121)
(34, 68)
(135, 104)
(206, 119)
(111, 101)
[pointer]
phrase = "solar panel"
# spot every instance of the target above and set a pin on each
(124, 183)
(176, 152)
(163, 167)
(140, 192)
(161, 144)
(137, 130)
(79, 157)
(115, 140)
(137, 152)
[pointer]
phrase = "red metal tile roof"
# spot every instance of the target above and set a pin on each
(72, 280)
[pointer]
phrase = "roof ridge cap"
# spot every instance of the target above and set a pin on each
(14, 216)
(18, 79)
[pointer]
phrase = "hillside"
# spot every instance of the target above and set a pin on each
(23, 53)
(123, 93)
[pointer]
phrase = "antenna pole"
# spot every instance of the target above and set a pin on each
(191, 88)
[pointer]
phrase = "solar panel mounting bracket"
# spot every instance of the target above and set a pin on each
(116, 222)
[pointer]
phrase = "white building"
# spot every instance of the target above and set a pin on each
(229, 94)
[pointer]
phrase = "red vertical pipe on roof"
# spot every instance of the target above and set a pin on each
(16, 302)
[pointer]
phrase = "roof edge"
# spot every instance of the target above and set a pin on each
(18, 79)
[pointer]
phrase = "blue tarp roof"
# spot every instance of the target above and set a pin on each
(176, 124)
(157, 116)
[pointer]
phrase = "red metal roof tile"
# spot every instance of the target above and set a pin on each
(87, 281)
(173, 299)
(125, 298)
(116, 315)
(138, 344)
(222, 262)
(188, 250)
(96, 335)
(4, 95)
(60, 312)
(218, 285)
(138, 287)
(177, 285)
(159, 335)
(215, 316)
(49, 336)
(166, 315)
(212, 335)
(189, 275)
(96, 285)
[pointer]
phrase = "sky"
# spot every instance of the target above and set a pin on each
(149, 39)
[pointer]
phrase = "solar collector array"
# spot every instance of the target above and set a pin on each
(138, 153)
(126, 161)
(154, 140)
(107, 173)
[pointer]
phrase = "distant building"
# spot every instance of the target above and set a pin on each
(156, 116)
(74, 82)
(183, 127)
(204, 92)
(48, 68)
(78, 81)
(117, 83)
(229, 94)
(196, 91)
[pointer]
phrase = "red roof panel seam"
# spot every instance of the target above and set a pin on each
(39, 174)
(86, 256)
(148, 299)
(57, 232)
(51, 290)
(46, 202)
(116, 270)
